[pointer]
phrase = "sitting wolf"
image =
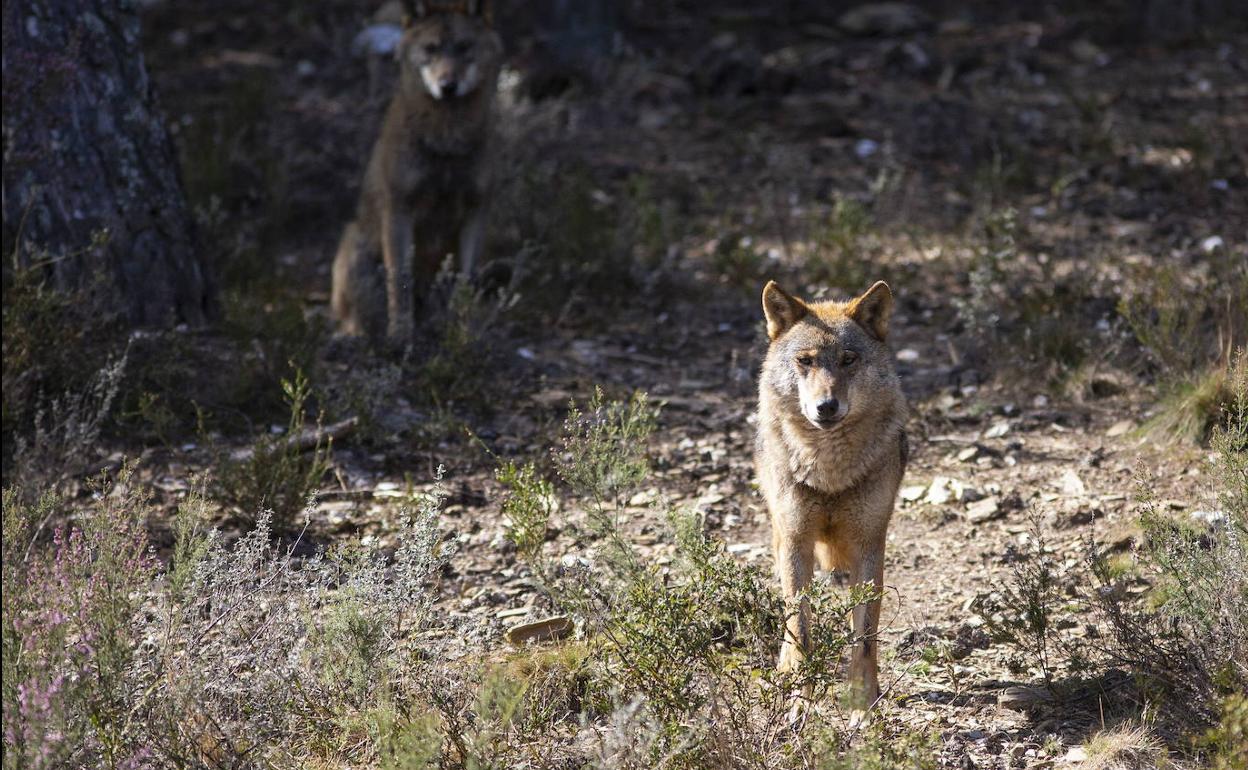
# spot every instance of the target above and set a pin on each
(427, 185)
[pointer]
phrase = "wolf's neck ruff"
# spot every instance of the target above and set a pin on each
(452, 126)
(832, 460)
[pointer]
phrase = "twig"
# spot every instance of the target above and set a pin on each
(308, 438)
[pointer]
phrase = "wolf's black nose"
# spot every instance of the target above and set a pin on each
(449, 87)
(828, 409)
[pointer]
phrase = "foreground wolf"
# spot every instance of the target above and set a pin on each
(427, 184)
(830, 453)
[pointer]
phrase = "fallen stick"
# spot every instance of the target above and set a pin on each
(308, 438)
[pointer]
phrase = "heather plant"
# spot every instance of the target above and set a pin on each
(69, 641)
(66, 429)
(267, 649)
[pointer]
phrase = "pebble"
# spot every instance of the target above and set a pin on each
(984, 510)
(546, 629)
(998, 429)
(1071, 484)
(1120, 428)
(913, 493)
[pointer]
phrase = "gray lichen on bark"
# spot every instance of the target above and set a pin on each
(86, 152)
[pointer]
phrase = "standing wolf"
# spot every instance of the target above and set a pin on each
(427, 184)
(830, 453)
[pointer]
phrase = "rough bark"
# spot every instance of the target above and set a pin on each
(90, 183)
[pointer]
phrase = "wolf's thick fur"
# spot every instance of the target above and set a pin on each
(830, 453)
(427, 184)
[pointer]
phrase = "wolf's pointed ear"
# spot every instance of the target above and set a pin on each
(782, 310)
(872, 310)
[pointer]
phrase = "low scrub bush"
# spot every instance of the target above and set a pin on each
(681, 656)
(1019, 309)
(841, 246)
(64, 357)
(280, 472)
(69, 644)
(592, 241)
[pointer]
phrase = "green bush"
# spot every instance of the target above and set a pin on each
(279, 474)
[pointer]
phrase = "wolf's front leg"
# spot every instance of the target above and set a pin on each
(397, 254)
(471, 237)
(795, 563)
(866, 567)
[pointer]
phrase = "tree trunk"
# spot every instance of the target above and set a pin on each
(91, 185)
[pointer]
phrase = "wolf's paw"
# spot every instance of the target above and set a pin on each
(798, 709)
(790, 659)
(858, 718)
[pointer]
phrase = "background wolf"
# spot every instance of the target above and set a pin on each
(830, 453)
(427, 183)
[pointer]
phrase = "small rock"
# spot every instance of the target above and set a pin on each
(1076, 755)
(907, 355)
(547, 629)
(865, 148)
(1071, 484)
(1080, 515)
(945, 490)
(884, 19)
(377, 40)
(968, 454)
(1211, 518)
(1022, 698)
(998, 429)
(1120, 428)
(1107, 384)
(913, 493)
(984, 510)
(1088, 52)
(1212, 244)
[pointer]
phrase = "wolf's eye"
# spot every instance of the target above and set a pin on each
(849, 358)
(805, 360)
(463, 46)
(431, 48)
